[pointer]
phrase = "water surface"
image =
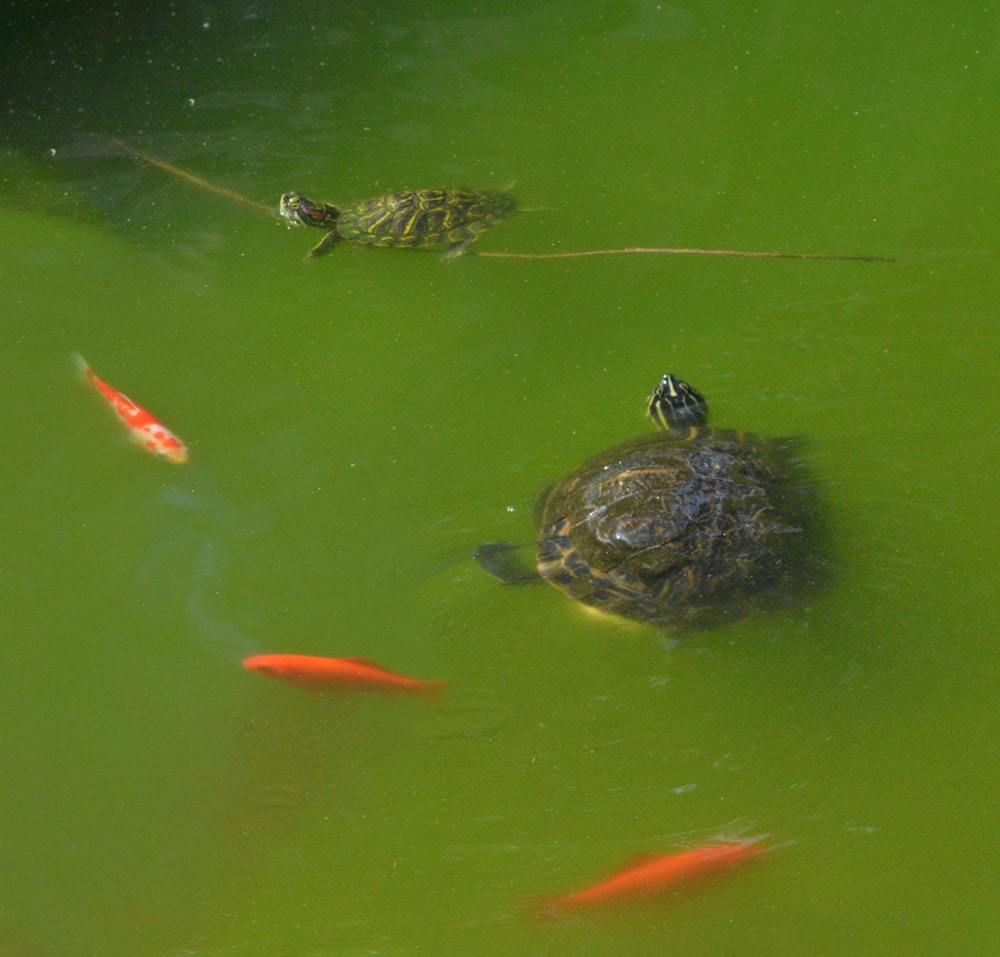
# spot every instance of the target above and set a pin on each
(360, 423)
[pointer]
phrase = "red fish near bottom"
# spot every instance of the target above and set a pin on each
(651, 877)
(345, 674)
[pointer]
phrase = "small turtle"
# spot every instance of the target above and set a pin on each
(689, 527)
(413, 218)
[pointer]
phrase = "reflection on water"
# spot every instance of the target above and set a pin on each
(189, 561)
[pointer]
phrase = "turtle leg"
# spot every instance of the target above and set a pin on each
(325, 244)
(500, 560)
(460, 247)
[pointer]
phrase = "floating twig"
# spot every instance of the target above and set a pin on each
(675, 250)
(191, 177)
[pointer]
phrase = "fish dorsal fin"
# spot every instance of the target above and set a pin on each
(367, 662)
(375, 666)
(639, 859)
(681, 858)
(634, 863)
(127, 405)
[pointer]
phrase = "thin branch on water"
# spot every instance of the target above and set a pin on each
(673, 250)
(191, 177)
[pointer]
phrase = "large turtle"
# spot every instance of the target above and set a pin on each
(414, 218)
(688, 527)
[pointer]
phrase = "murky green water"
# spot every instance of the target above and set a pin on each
(360, 423)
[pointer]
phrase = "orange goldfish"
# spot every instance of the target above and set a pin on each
(651, 876)
(143, 427)
(346, 674)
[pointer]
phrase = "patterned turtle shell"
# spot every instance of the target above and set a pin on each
(688, 527)
(452, 219)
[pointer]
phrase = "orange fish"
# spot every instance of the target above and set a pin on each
(346, 674)
(143, 427)
(651, 876)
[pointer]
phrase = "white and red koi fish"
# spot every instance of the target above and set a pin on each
(143, 427)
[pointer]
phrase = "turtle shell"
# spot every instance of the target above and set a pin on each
(690, 527)
(424, 217)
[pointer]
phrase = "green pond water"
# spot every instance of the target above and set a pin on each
(360, 423)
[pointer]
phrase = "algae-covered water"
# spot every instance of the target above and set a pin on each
(360, 423)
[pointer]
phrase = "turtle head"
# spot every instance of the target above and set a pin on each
(674, 404)
(301, 211)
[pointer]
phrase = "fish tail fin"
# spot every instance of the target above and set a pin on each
(82, 367)
(542, 907)
(432, 691)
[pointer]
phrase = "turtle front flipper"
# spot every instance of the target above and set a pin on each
(500, 559)
(324, 245)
